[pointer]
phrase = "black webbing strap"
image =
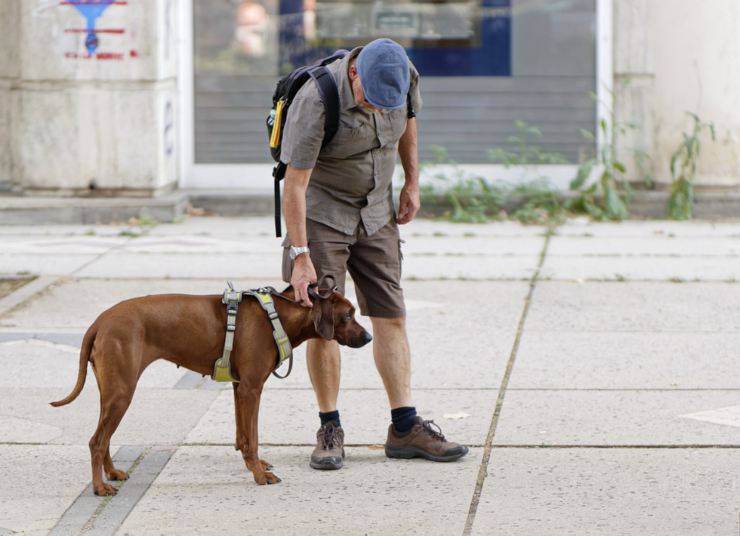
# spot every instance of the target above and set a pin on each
(278, 172)
(330, 97)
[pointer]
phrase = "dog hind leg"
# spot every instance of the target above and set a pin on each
(110, 470)
(116, 383)
(111, 413)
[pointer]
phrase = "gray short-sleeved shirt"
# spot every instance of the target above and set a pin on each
(351, 178)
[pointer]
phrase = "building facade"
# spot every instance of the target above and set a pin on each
(139, 97)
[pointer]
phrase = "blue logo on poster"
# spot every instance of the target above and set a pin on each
(91, 10)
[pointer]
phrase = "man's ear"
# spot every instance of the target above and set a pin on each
(323, 317)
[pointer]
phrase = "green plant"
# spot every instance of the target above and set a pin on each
(683, 169)
(466, 197)
(526, 152)
(606, 198)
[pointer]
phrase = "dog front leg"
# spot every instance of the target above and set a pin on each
(240, 443)
(248, 404)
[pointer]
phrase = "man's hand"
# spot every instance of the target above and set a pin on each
(303, 275)
(409, 203)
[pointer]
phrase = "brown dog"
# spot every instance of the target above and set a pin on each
(189, 331)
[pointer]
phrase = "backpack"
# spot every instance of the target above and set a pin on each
(286, 89)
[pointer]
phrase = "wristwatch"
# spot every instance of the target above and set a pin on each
(295, 251)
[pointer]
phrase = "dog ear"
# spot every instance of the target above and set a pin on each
(323, 317)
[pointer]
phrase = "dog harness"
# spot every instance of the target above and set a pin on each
(232, 298)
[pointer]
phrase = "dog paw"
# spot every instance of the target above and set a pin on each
(266, 478)
(105, 490)
(266, 466)
(117, 474)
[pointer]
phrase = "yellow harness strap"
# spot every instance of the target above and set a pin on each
(232, 298)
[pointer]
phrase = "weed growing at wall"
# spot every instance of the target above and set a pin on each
(683, 169)
(465, 197)
(608, 197)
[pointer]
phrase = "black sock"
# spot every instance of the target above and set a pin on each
(330, 416)
(403, 419)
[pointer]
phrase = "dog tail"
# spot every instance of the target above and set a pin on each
(85, 350)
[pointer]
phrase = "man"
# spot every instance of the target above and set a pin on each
(339, 214)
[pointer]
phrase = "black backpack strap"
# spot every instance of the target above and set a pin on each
(410, 113)
(330, 96)
(279, 173)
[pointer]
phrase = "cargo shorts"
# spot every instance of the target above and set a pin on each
(374, 263)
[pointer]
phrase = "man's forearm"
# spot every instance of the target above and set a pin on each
(294, 204)
(409, 153)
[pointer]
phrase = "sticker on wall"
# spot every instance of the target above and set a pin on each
(96, 43)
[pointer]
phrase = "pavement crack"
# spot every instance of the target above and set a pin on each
(488, 445)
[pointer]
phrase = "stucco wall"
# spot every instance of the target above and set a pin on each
(673, 57)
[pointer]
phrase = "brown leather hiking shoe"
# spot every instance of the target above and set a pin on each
(329, 450)
(424, 440)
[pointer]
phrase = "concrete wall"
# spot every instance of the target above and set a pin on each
(106, 120)
(674, 57)
(9, 67)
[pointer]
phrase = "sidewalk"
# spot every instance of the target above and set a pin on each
(593, 372)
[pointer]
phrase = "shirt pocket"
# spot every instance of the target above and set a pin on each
(396, 125)
(353, 136)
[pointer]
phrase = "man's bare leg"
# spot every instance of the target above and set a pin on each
(324, 368)
(393, 359)
(409, 436)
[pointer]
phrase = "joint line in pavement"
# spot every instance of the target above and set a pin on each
(483, 469)
(100, 516)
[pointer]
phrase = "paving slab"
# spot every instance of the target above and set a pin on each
(59, 230)
(155, 417)
(644, 229)
(650, 245)
(88, 509)
(484, 267)
(38, 363)
(460, 335)
(291, 416)
(441, 228)
(615, 417)
(474, 247)
(636, 360)
(263, 227)
(194, 243)
(642, 268)
(61, 245)
(268, 265)
(185, 265)
(630, 492)
(63, 306)
(643, 306)
(206, 490)
(39, 482)
(441, 316)
(42, 264)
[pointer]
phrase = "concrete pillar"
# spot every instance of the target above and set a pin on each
(94, 104)
(674, 57)
(9, 69)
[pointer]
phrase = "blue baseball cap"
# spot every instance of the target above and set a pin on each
(384, 73)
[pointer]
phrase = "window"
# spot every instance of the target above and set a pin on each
(484, 65)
